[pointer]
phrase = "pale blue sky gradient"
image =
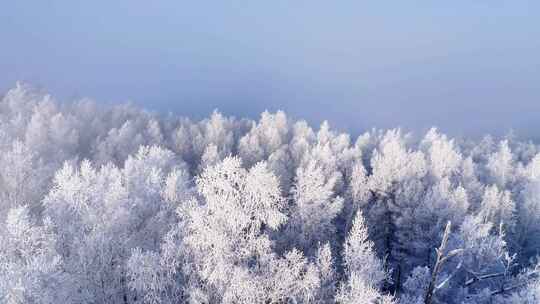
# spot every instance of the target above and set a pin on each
(468, 67)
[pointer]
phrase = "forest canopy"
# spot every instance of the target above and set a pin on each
(115, 204)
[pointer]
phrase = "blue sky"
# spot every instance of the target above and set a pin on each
(469, 67)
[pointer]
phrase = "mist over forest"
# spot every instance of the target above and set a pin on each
(116, 204)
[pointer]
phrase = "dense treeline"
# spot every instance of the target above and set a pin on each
(118, 205)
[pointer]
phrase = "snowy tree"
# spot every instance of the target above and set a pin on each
(359, 256)
(102, 214)
(397, 187)
(327, 274)
(528, 220)
(31, 269)
(264, 138)
(416, 285)
(228, 232)
(500, 165)
(443, 159)
(22, 180)
(315, 208)
(365, 273)
(392, 163)
(498, 207)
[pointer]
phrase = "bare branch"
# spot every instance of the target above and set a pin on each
(483, 277)
(441, 259)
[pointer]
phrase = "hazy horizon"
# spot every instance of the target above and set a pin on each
(467, 68)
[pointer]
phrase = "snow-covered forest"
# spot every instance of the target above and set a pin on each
(114, 204)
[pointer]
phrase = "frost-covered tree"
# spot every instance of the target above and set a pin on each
(396, 186)
(30, 267)
(500, 165)
(227, 231)
(327, 274)
(443, 159)
(102, 214)
(264, 138)
(22, 179)
(315, 208)
(363, 269)
(497, 207)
